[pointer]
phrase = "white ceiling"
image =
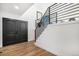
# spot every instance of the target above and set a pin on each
(15, 8)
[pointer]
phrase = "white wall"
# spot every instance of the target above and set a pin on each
(30, 16)
(0, 32)
(60, 39)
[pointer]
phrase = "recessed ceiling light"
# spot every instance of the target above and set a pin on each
(16, 7)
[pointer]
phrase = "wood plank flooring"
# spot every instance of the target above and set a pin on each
(24, 49)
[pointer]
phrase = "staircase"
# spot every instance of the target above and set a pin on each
(42, 24)
(61, 35)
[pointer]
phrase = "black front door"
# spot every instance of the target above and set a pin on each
(14, 31)
(22, 31)
(9, 31)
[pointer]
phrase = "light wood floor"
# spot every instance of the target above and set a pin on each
(23, 49)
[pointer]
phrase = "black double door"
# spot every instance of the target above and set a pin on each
(14, 31)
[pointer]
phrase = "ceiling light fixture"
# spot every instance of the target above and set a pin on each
(16, 7)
